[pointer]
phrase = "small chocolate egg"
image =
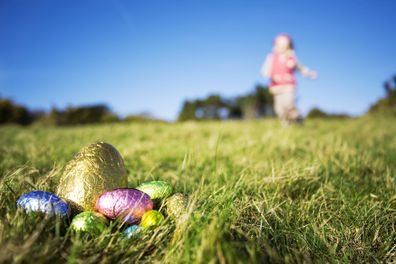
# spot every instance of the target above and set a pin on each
(96, 168)
(151, 219)
(127, 204)
(176, 205)
(89, 222)
(132, 231)
(157, 190)
(43, 202)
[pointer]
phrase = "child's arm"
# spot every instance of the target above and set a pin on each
(266, 69)
(306, 72)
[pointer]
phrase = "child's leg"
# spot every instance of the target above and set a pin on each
(290, 107)
(278, 105)
(281, 108)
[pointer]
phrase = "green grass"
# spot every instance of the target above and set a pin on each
(320, 193)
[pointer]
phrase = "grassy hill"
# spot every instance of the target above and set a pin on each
(324, 192)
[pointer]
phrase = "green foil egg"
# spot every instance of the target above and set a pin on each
(176, 205)
(95, 169)
(89, 222)
(151, 219)
(157, 190)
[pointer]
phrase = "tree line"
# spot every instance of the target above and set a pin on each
(13, 113)
(255, 104)
(258, 103)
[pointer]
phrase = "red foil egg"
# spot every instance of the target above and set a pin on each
(129, 205)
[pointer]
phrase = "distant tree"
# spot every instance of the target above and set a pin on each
(11, 112)
(259, 103)
(234, 110)
(388, 103)
(318, 113)
(82, 115)
(264, 101)
(213, 107)
(142, 118)
(388, 88)
(188, 111)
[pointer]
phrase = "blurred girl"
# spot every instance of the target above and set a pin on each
(279, 67)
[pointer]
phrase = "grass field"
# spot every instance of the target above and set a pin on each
(320, 193)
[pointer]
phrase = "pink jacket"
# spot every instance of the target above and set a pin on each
(282, 69)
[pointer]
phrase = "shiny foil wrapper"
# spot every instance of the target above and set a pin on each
(95, 169)
(129, 205)
(151, 219)
(132, 231)
(89, 222)
(176, 205)
(157, 190)
(43, 202)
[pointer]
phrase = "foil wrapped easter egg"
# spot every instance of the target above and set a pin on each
(128, 205)
(176, 205)
(43, 202)
(151, 219)
(132, 231)
(157, 190)
(96, 168)
(89, 222)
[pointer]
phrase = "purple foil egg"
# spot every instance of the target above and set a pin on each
(127, 204)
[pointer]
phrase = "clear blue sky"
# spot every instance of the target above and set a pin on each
(151, 55)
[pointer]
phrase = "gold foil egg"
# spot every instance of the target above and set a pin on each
(96, 168)
(176, 205)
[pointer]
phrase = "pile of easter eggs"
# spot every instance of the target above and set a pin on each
(93, 190)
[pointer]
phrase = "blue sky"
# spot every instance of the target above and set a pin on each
(151, 55)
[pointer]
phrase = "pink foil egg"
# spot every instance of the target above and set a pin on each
(126, 204)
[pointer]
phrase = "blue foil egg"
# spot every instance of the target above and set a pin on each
(43, 202)
(132, 231)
